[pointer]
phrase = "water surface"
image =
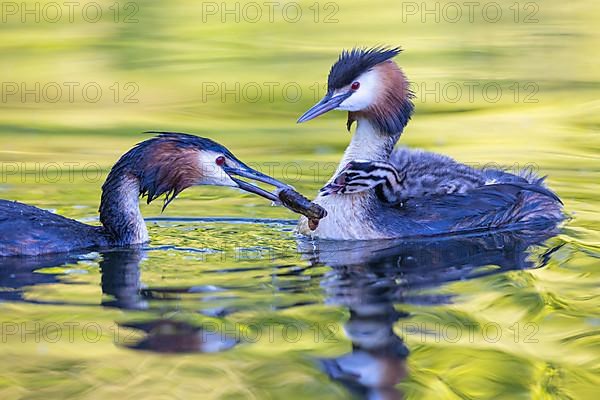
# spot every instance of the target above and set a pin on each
(226, 302)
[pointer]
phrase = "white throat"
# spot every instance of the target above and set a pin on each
(367, 144)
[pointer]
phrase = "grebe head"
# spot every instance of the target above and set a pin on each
(172, 162)
(367, 84)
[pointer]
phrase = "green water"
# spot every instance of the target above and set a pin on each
(491, 317)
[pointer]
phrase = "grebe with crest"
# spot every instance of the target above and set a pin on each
(165, 165)
(379, 192)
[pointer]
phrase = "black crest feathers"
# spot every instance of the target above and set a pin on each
(352, 63)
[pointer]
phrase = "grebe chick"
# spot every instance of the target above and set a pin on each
(365, 198)
(165, 165)
(413, 174)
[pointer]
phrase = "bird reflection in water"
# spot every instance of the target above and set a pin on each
(370, 279)
(170, 336)
(377, 362)
(121, 282)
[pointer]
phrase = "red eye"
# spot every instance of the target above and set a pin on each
(220, 160)
(355, 86)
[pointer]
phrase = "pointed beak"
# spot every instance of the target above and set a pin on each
(328, 103)
(247, 172)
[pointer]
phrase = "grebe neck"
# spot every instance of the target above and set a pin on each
(368, 143)
(119, 207)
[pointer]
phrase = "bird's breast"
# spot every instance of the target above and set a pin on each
(348, 218)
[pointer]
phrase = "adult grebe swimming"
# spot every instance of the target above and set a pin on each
(379, 192)
(163, 165)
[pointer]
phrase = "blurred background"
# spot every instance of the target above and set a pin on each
(511, 83)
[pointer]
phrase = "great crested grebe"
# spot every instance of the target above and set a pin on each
(378, 192)
(163, 165)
